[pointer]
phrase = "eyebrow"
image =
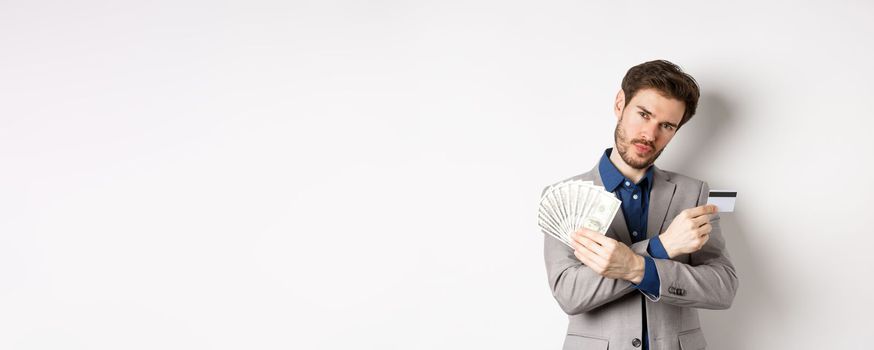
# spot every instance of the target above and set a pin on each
(650, 114)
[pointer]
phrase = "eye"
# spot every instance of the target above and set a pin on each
(643, 115)
(668, 126)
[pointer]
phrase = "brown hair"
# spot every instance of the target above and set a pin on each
(668, 79)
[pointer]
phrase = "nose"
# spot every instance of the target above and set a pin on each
(649, 132)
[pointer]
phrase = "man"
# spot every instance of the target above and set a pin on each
(639, 285)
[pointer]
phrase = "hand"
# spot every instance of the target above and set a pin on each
(689, 231)
(606, 256)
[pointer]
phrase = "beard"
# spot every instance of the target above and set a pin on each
(625, 148)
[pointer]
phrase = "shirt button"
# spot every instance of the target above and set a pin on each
(635, 342)
(634, 196)
(634, 233)
(627, 183)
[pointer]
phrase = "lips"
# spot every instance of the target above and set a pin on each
(642, 148)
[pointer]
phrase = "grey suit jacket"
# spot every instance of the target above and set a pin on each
(604, 312)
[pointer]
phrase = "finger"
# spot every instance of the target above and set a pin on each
(588, 258)
(596, 259)
(703, 241)
(704, 230)
(598, 237)
(701, 220)
(574, 244)
(587, 233)
(589, 243)
(582, 258)
(704, 209)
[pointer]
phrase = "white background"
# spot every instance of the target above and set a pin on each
(345, 174)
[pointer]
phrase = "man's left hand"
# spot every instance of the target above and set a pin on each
(607, 257)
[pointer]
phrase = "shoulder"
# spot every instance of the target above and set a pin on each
(684, 183)
(678, 178)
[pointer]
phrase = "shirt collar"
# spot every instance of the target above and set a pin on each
(612, 178)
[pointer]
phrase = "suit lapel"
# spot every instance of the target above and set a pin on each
(619, 228)
(659, 201)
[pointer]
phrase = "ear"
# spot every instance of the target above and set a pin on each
(619, 105)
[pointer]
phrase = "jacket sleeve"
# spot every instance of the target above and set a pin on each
(576, 287)
(709, 281)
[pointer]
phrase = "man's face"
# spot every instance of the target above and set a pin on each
(645, 126)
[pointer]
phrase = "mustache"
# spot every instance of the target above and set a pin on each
(650, 144)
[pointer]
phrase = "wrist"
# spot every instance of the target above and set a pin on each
(668, 245)
(638, 268)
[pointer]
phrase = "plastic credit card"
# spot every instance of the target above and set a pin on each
(723, 199)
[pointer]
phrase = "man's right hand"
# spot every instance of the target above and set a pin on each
(689, 231)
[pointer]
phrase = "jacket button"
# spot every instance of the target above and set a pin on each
(635, 342)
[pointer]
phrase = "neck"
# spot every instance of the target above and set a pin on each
(631, 173)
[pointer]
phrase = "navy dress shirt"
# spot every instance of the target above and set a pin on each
(635, 206)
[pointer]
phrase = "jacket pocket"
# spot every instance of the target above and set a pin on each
(582, 342)
(692, 340)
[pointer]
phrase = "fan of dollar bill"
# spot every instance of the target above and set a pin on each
(570, 205)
